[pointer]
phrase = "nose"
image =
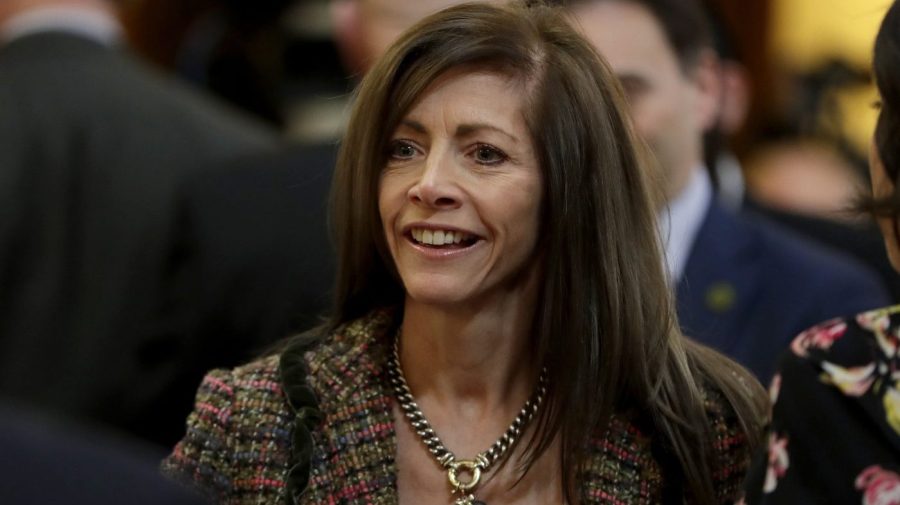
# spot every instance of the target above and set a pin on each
(437, 185)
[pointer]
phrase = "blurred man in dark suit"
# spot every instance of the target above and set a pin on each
(255, 262)
(92, 148)
(47, 463)
(860, 240)
(743, 286)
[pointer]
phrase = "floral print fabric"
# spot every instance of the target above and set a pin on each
(835, 431)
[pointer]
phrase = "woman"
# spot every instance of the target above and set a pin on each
(498, 262)
(835, 435)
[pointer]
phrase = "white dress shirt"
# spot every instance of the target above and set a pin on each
(680, 221)
(91, 23)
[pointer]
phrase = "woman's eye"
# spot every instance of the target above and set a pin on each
(401, 150)
(488, 155)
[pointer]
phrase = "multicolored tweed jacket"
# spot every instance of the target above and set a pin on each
(314, 426)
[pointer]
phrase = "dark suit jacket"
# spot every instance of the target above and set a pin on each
(749, 287)
(257, 260)
(254, 263)
(864, 243)
(46, 463)
(92, 148)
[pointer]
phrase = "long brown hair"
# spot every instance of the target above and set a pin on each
(605, 325)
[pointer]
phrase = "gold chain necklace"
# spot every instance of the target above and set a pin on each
(482, 462)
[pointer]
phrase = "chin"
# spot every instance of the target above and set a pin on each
(430, 294)
(435, 298)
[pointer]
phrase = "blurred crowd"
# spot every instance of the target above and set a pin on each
(165, 168)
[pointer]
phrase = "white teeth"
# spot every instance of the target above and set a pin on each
(438, 237)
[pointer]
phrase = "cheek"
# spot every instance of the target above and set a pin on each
(388, 207)
(882, 186)
(524, 218)
(653, 116)
(641, 112)
(888, 231)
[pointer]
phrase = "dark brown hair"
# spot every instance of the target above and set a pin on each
(886, 69)
(604, 325)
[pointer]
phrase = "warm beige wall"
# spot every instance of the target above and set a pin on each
(807, 32)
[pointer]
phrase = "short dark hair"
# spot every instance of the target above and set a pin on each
(684, 22)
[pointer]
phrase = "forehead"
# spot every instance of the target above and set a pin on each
(627, 34)
(473, 86)
(472, 96)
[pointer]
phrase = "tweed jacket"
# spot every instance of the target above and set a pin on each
(314, 425)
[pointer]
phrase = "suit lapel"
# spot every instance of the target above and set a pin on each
(354, 455)
(720, 282)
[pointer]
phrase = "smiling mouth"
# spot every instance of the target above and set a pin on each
(441, 239)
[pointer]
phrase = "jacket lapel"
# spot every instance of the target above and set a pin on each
(716, 293)
(354, 453)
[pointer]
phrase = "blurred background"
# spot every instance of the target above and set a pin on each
(199, 207)
(799, 116)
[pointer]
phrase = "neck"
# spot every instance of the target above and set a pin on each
(480, 357)
(677, 177)
(476, 354)
(471, 370)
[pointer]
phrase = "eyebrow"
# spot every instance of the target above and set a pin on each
(414, 125)
(466, 129)
(461, 130)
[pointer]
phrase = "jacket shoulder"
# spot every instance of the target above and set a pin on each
(237, 438)
(820, 269)
(621, 467)
(630, 462)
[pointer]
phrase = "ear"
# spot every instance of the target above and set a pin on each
(348, 36)
(705, 75)
(736, 96)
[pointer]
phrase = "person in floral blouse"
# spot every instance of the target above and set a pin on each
(835, 431)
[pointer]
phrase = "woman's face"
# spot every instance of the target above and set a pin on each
(461, 193)
(883, 186)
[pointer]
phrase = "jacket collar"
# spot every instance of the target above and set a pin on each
(345, 442)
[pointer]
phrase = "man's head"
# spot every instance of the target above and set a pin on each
(12, 8)
(364, 29)
(661, 52)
